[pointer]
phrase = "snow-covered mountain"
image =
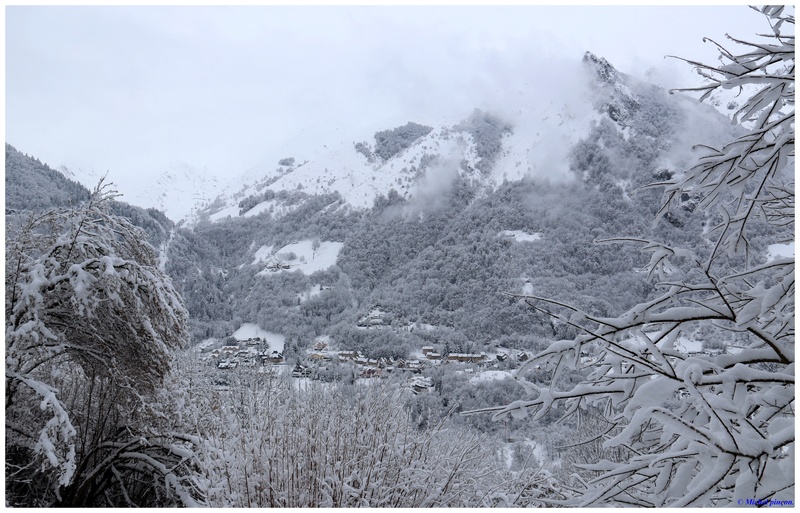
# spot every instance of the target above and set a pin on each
(534, 136)
(179, 191)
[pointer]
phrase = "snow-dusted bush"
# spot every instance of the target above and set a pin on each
(90, 324)
(699, 428)
(271, 443)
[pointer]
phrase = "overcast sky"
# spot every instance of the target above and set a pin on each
(135, 90)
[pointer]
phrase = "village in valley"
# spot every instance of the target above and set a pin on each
(323, 361)
(253, 348)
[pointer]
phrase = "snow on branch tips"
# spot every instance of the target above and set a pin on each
(696, 424)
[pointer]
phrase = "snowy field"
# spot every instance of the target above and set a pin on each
(300, 255)
(250, 330)
(520, 236)
(491, 375)
(780, 251)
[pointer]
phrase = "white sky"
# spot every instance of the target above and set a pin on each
(137, 90)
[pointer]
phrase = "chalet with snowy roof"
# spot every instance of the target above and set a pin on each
(229, 349)
(420, 384)
(227, 364)
(273, 357)
(370, 373)
(243, 353)
(375, 319)
(301, 371)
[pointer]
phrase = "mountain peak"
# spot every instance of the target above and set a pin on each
(604, 71)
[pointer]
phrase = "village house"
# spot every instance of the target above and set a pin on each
(273, 357)
(414, 365)
(370, 373)
(301, 371)
(227, 364)
(243, 353)
(420, 384)
(227, 351)
(466, 357)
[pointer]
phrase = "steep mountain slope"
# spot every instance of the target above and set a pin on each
(32, 185)
(178, 191)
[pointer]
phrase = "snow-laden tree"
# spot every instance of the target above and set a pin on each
(690, 427)
(90, 325)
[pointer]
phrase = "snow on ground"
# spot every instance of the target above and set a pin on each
(231, 211)
(538, 451)
(163, 252)
(206, 343)
(324, 338)
(687, 345)
(780, 251)
(262, 254)
(250, 330)
(520, 236)
(277, 209)
(490, 375)
(301, 255)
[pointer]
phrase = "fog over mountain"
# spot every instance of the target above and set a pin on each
(220, 90)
